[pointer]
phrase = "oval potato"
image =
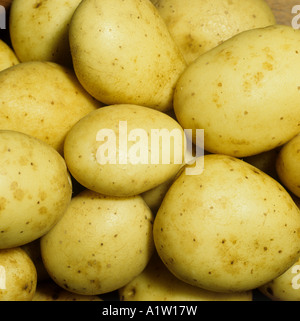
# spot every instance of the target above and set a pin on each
(157, 283)
(288, 165)
(232, 228)
(123, 53)
(244, 93)
(100, 243)
(46, 98)
(39, 30)
(111, 151)
(8, 57)
(286, 287)
(18, 277)
(201, 25)
(35, 188)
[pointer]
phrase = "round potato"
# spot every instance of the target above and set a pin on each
(50, 291)
(124, 150)
(18, 277)
(7, 56)
(100, 243)
(139, 62)
(157, 283)
(286, 287)
(201, 25)
(35, 188)
(231, 228)
(47, 101)
(288, 165)
(244, 93)
(39, 30)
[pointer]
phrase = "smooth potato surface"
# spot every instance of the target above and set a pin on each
(232, 228)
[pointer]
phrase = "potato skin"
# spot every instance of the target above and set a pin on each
(39, 30)
(91, 251)
(20, 275)
(157, 283)
(8, 57)
(139, 63)
(232, 228)
(124, 177)
(288, 165)
(204, 24)
(47, 102)
(251, 81)
(35, 188)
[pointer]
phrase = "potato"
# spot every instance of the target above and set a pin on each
(203, 24)
(123, 52)
(18, 278)
(244, 93)
(231, 228)
(116, 150)
(39, 30)
(288, 165)
(50, 291)
(286, 287)
(35, 188)
(157, 283)
(100, 244)
(7, 56)
(46, 98)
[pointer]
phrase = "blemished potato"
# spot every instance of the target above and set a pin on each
(286, 287)
(123, 52)
(50, 291)
(157, 283)
(232, 228)
(244, 93)
(116, 150)
(35, 188)
(39, 30)
(18, 277)
(7, 56)
(200, 25)
(46, 98)
(100, 243)
(288, 165)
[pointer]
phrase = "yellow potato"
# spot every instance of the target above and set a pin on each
(286, 287)
(200, 25)
(49, 291)
(231, 228)
(7, 56)
(157, 283)
(39, 29)
(45, 98)
(100, 243)
(288, 165)
(244, 93)
(18, 277)
(122, 52)
(35, 188)
(115, 150)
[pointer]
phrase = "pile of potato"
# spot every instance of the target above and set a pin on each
(74, 226)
